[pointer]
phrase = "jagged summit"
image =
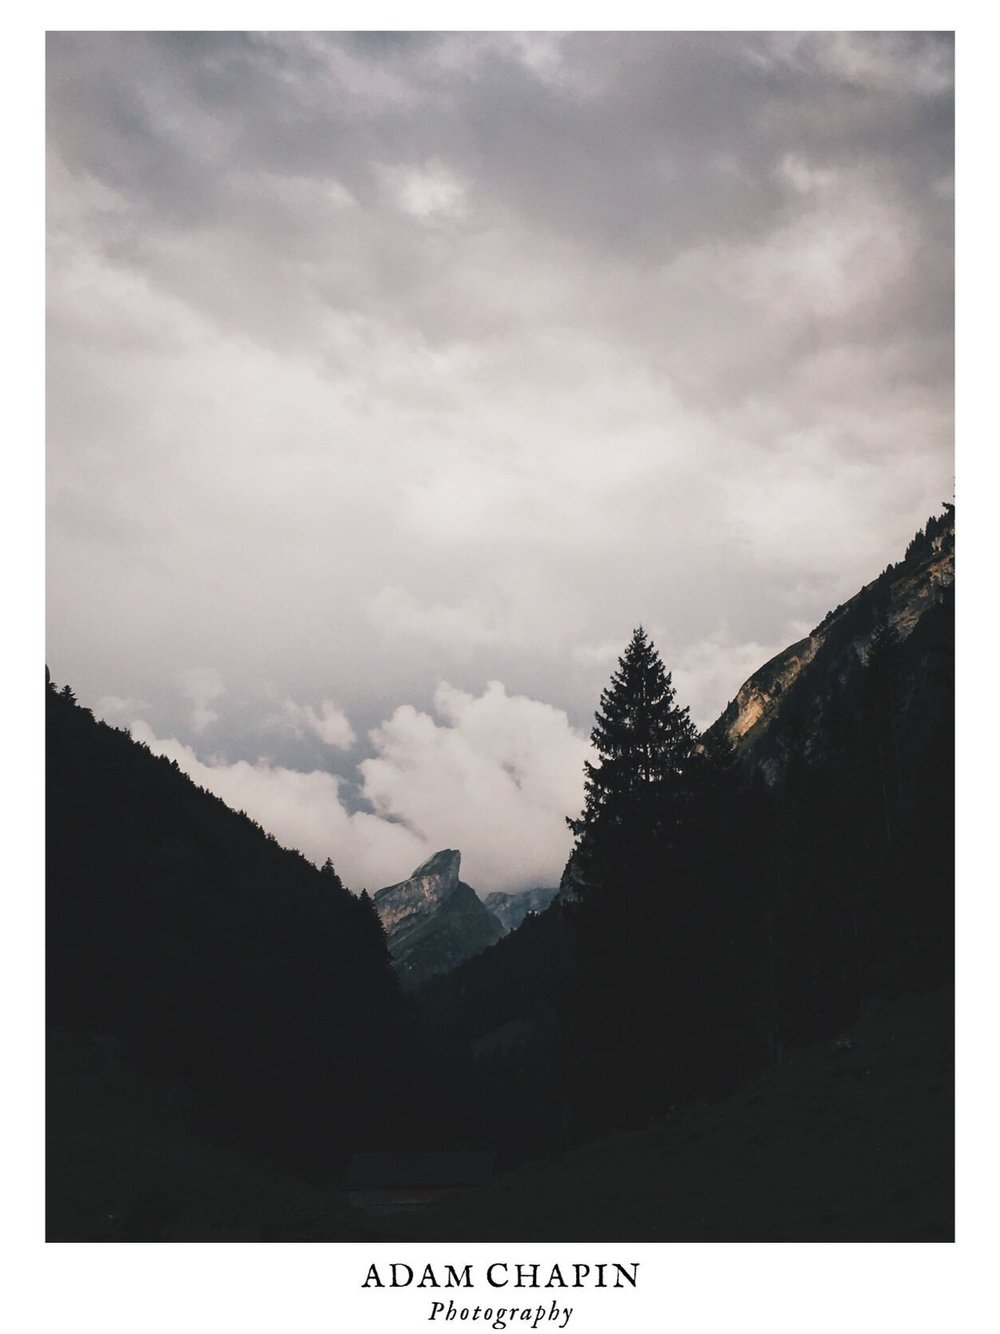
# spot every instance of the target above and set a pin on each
(429, 885)
(445, 862)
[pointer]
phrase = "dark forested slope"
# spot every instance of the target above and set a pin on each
(785, 711)
(181, 931)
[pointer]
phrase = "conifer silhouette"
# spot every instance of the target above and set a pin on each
(637, 790)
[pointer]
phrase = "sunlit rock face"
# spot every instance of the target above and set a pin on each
(756, 696)
(433, 920)
(427, 887)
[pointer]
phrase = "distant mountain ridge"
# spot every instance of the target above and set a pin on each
(512, 909)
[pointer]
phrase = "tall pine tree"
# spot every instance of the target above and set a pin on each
(638, 902)
(639, 789)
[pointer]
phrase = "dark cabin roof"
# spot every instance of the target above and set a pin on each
(470, 1167)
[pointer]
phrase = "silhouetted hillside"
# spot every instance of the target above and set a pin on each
(181, 931)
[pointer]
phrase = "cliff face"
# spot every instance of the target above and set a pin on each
(433, 920)
(757, 697)
(400, 906)
(782, 708)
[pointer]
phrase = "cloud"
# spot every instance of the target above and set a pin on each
(494, 775)
(381, 359)
(497, 778)
(429, 192)
(117, 711)
(202, 686)
(604, 655)
(330, 724)
(470, 624)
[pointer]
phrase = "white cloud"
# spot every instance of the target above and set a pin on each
(803, 177)
(541, 53)
(888, 62)
(604, 654)
(843, 249)
(330, 724)
(202, 686)
(466, 625)
(119, 710)
(494, 775)
(426, 192)
(497, 779)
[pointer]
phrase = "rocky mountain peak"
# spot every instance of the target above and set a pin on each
(445, 863)
(433, 881)
(433, 920)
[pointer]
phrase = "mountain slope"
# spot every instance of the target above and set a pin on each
(783, 708)
(181, 932)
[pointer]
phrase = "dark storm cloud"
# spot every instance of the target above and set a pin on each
(382, 360)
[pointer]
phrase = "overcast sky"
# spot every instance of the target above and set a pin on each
(394, 379)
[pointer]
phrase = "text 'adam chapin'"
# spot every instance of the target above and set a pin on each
(502, 1275)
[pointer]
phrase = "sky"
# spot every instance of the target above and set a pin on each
(394, 379)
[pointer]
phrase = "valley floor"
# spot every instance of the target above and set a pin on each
(834, 1144)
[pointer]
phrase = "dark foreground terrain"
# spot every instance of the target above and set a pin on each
(848, 1141)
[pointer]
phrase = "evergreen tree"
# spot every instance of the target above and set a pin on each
(647, 917)
(639, 788)
(327, 869)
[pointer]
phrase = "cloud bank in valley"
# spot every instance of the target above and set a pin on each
(493, 774)
(381, 360)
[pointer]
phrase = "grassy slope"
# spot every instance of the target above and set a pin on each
(830, 1146)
